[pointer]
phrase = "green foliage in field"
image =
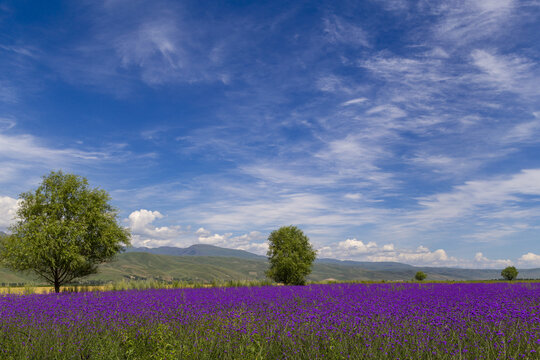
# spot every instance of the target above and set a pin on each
(210, 340)
(509, 273)
(420, 275)
(291, 256)
(64, 229)
(204, 269)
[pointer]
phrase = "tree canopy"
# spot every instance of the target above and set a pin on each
(420, 275)
(290, 255)
(63, 230)
(509, 273)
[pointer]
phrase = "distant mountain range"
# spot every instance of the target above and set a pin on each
(197, 250)
(207, 263)
(348, 269)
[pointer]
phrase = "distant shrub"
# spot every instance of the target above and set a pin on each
(509, 273)
(420, 275)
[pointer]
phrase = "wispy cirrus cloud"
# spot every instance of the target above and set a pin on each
(338, 30)
(524, 132)
(474, 196)
(409, 123)
(506, 72)
(8, 92)
(465, 21)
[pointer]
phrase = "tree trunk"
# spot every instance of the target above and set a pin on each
(56, 286)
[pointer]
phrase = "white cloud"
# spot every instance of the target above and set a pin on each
(155, 42)
(334, 84)
(140, 220)
(530, 260)
(353, 196)
(8, 93)
(145, 233)
(6, 123)
(438, 52)
(527, 131)
(28, 148)
(8, 211)
(408, 71)
(484, 262)
(388, 247)
(354, 101)
(202, 232)
(338, 30)
(248, 242)
(464, 21)
(447, 165)
(152, 47)
(394, 5)
(354, 151)
(269, 212)
(465, 199)
(420, 256)
(284, 175)
(353, 249)
(506, 72)
(497, 232)
(388, 111)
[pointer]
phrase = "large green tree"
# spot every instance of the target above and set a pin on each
(420, 275)
(509, 273)
(63, 231)
(290, 255)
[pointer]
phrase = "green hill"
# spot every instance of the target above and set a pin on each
(196, 268)
(197, 250)
(187, 268)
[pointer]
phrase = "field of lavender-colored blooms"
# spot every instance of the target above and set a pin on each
(337, 321)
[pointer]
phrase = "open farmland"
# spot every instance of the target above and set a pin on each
(339, 321)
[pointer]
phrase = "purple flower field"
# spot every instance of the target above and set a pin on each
(339, 321)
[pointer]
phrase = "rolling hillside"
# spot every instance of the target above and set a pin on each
(198, 250)
(207, 263)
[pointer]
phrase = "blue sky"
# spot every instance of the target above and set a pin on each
(387, 130)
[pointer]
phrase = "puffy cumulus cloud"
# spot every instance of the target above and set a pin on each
(8, 210)
(353, 246)
(252, 241)
(140, 219)
(145, 233)
(529, 260)
(420, 256)
(353, 249)
(483, 262)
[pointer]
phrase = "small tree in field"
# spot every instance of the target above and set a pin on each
(290, 255)
(420, 275)
(63, 231)
(509, 273)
